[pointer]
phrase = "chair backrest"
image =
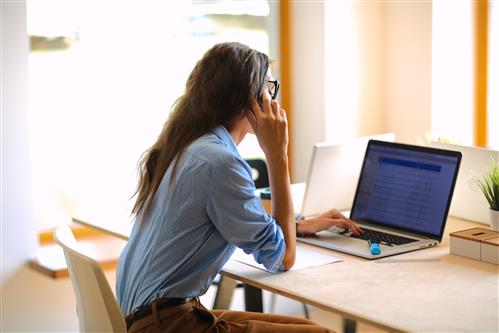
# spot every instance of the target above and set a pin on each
(97, 308)
(260, 172)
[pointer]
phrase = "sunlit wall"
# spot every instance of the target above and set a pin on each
(452, 71)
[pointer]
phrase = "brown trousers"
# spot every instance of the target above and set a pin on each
(193, 317)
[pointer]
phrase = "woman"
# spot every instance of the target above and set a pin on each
(196, 203)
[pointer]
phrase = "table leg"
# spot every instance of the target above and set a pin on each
(224, 293)
(253, 298)
(349, 325)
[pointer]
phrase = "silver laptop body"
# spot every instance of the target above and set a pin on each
(333, 174)
(468, 201)
(403, 191)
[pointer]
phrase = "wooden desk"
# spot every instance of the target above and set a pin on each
(426, 290)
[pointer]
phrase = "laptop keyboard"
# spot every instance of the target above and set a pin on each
(380, 237)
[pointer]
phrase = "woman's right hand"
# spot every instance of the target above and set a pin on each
(329, 219)
(270, 126)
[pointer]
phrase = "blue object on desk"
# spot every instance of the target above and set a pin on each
(374, 247)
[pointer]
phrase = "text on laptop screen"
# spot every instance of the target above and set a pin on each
(405, 188)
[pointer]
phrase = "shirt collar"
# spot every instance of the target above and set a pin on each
(221, 132)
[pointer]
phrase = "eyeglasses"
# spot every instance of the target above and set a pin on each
(274, 88)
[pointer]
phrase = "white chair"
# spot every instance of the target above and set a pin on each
(97, 308)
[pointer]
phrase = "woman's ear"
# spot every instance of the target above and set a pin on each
(251, 119)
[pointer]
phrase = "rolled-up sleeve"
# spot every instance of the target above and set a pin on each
(238, 214)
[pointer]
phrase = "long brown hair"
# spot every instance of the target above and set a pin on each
(218, 90)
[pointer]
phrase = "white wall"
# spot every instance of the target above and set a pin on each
(372, 68)
(493, 77)
(407, 77)
(18, 224)
(355, 46)
(386, 89)
(308, 81)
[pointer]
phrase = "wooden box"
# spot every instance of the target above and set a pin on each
(477, 243)
(490, 250)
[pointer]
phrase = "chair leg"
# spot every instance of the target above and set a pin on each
(349, 325)
(272, 303)
(223, 297)
(305, 311)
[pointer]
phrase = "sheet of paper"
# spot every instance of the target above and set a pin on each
(304, 258)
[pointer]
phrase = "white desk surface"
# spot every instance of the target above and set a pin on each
(426, 290)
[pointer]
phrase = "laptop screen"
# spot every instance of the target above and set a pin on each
(406, 187)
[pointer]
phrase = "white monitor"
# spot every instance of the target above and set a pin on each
(334, 173)
(468, 202)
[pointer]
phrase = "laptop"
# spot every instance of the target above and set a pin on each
(402, 200)
(333, 174)
(468, 201)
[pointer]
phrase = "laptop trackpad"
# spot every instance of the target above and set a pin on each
(341, 241)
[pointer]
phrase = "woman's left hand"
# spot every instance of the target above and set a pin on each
(329, 219)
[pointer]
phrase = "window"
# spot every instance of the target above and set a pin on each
(102, 80)
(493, 77)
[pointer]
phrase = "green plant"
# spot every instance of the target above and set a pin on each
(489, 184)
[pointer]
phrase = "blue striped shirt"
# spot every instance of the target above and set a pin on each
(193, 228)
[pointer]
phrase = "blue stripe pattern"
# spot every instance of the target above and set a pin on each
(194, 227)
